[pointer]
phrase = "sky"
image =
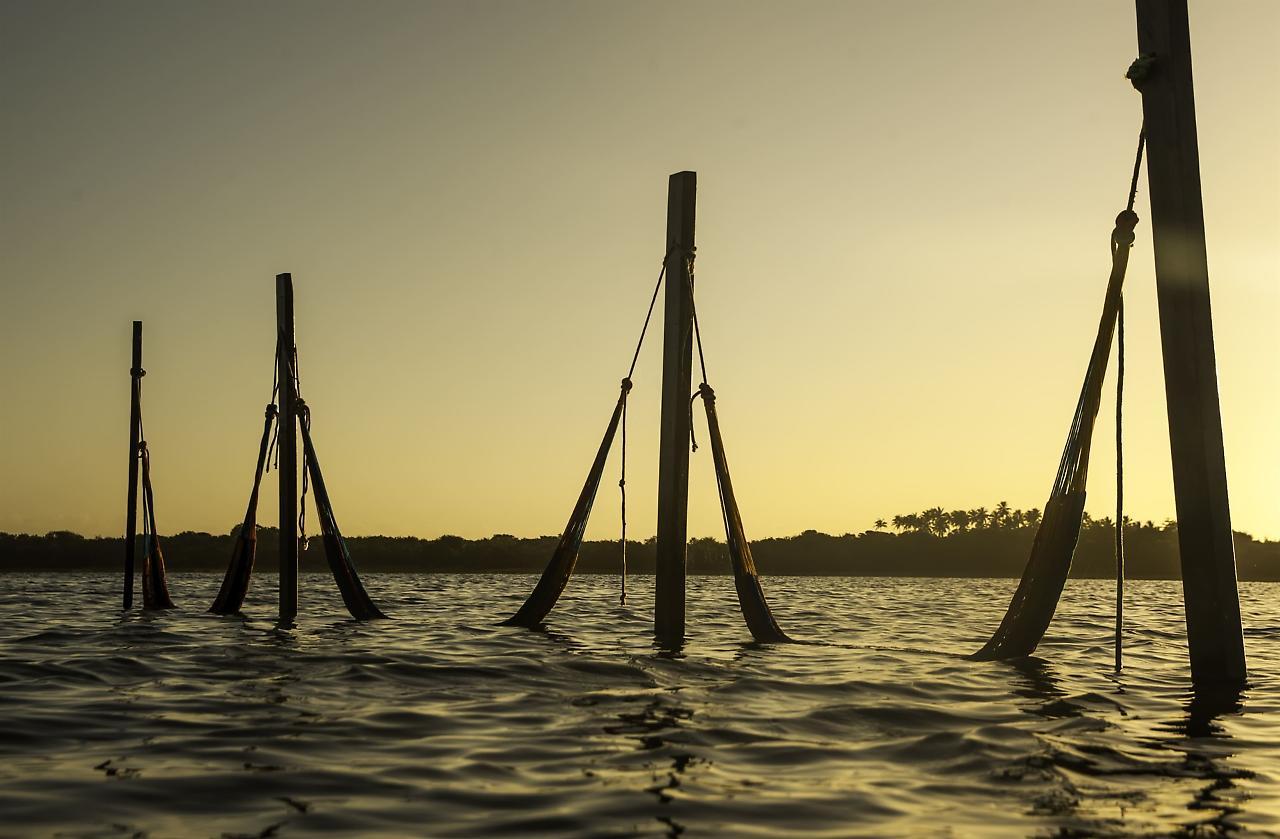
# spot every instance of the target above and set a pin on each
(903, 216)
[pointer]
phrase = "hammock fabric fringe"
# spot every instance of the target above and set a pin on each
(155, 586)
(235, 585)
(556, 575)
(1037, 595)
(755, 608)
(357, 600)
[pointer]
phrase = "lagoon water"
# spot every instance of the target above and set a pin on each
(439, 723)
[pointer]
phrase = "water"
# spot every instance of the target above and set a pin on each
(439, 723)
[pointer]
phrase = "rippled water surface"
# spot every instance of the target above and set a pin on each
(439, 723)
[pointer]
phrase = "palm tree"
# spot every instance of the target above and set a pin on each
(1001, 514)
(881, 524)
(935, 519)
(960, 519)
(981, 518)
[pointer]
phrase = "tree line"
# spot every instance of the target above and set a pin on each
(935, 542)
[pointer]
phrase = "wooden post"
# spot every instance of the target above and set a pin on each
(1212, 603)
(287, 441)
(135, 422)
(673, 457)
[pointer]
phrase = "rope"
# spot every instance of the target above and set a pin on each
(690, 254)
(1137, 167)
(304, 417)
(626, 390)
(649, 314)
(1119, 634)
(273, 450)
(1119, 485)
(145, 458)
(622, 489)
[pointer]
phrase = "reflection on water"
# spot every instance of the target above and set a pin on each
(440, 723)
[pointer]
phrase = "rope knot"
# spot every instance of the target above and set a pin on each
(1126, 221)
(1122, 235)
(707, 394)
(626, 385)
(1142, 69)
(272, 410)
(137, 372)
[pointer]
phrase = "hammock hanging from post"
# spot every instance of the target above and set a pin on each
(354, 595)
(556, 575)
(155, 587)
(755, 607)
(235, 585)
(1037, 595)
(560, 567)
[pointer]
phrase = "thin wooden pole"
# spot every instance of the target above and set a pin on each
(673, 457)
(288, 452)
(135, 422)
(1210, 595)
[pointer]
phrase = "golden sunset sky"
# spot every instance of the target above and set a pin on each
(903, 217)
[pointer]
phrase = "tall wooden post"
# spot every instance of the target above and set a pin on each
(1212, 603)
(287, 442)
(135, 422)
(673, 457)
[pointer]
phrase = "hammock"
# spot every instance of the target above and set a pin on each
(755, 608)
(155, 587)
(1037, 595)
(560, 567)
(357, 600)
(235, 585)
(556, 575)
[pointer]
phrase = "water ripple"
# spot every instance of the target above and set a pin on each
(439, 722)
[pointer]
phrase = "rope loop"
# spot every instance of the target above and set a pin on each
(708, 395)
(690, 252)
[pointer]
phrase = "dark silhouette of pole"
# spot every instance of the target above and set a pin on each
(135, 422)
(288, 451)
(673, 456)
(1214, 636)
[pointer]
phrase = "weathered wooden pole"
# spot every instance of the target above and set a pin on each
(1211, 599)
(673, 456)
(287, 441)
(135, 422)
